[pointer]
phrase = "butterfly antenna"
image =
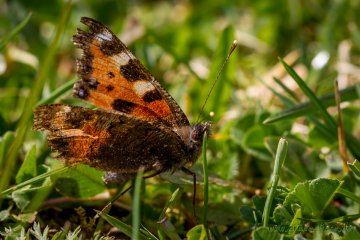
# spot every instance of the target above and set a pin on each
(233, 47)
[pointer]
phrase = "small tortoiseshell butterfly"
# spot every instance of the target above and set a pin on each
(137, 123)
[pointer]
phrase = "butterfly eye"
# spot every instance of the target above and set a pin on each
(198, 131)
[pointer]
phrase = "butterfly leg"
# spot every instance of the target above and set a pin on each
(114, 177)
(189, 172)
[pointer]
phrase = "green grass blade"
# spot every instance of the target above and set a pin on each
(5, 39)
(57, 93)
(172, 201)
(324, 129)
(284, 99)
(349, 194)
(310, 94)
(352, 142)
(34, 180)
(286, 89)
(347, 94)
(279, 162)
(136, 205)
(125, 228)
(206, 179)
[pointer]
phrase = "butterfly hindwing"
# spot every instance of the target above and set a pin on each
(124, 144)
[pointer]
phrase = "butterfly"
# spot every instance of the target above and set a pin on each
(136, 125)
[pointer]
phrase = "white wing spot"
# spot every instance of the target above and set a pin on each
(66, 109)
(122, 58)
(104, 36)
(142, 87)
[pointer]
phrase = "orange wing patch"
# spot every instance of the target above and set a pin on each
(112, 78)
(73, 132)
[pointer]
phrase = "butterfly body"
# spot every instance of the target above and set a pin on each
(137, 123)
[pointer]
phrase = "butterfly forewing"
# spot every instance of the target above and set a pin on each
(111, 77)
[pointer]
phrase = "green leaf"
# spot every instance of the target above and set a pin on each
(21, 198)
(197, 233)
(264, 233)
(249, 133)
(252, 136)
(241, 126)
(296, 221)
(26, 217)
(81, 181)
(28, 167)
(282, 216)
(4, 214)
(313, 196)
(16, 232)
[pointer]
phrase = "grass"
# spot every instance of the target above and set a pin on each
(271, 88)
(206, 180)
(280, 157)
(136, 206)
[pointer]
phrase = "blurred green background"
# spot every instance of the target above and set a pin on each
(184, 43)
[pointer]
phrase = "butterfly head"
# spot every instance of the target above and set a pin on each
(198, 130)
(195, 140)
